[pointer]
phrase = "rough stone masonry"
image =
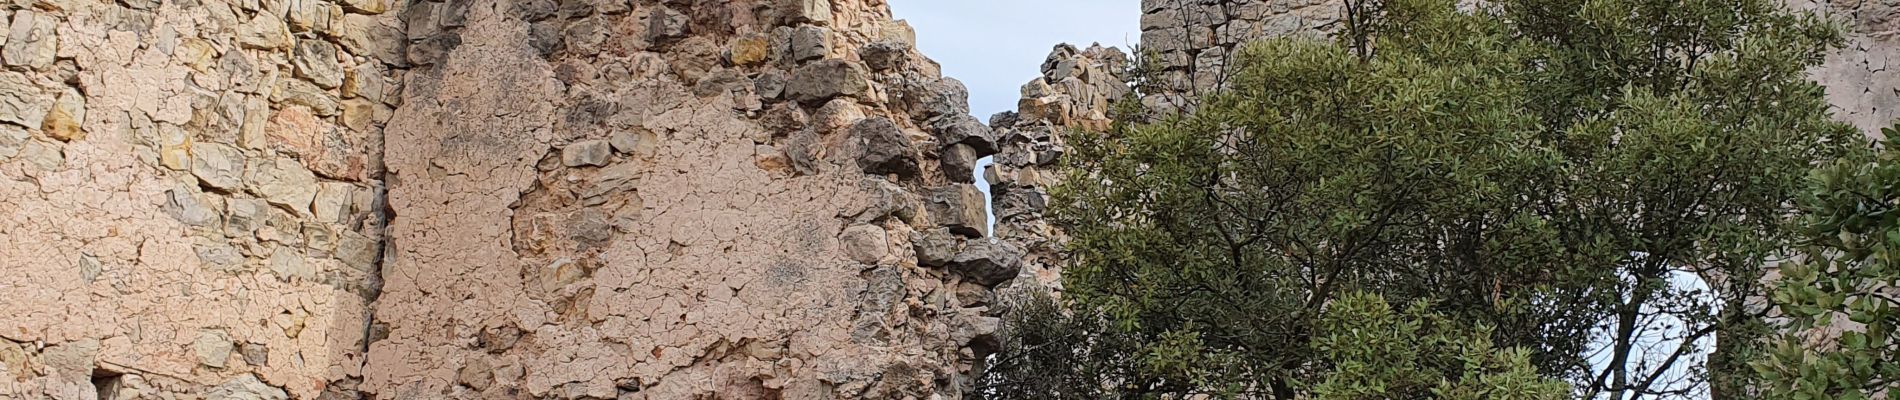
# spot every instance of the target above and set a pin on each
(396, 199)
(582, 199)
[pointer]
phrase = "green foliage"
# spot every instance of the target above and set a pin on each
(1049, 353)
(1849, 269)
(1539, 166)
(1379, 354)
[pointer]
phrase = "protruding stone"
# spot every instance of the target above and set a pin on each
(771, 159)
(769, 85)
(303, 93)
(198, 54)
(476, 375)
(371, 7)
(89, 267)
(288, 263)
(219, 166)
(364, 81)
(185, 207)
(316, 60)
(965, 129)
(884, 55)
(866, 244)
(837, 115)
(358, 114)
(332, 203)
(212, 347)
(364, 35)
(585, 153)
(282, 182)
(936, 247)
(802, 152)
(584, 37)
(21, 101)
(641, 143)
(959, 208)
(934, 99)
(810, 42)
(357, 251)
(243, 216)
(899, 31)
(748, 50)
(823, 80)
(65, 121)
(313, 16)
(30, 40)
(886, 150)
(667, 25)
(255, 354)
(808, 11)
(265, 31)
(988, 263)
(959, 163)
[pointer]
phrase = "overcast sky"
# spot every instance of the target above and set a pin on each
(995, 46)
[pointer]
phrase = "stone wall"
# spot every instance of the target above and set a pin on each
(680, 200)
(190, 194)
(1195, 38)
(339, 199)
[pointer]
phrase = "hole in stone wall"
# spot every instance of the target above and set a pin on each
(989, 197)
(106, 383)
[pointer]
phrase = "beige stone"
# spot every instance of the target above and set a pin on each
(212, 347)
(371, 7)
(307, 94)
(31, 40)
(748, 50)
(67, 118)
(196, 53)
(866, 244)
(21, 101)
(265, 31)
(282, 182)
(12, 138)
(289, 263)
(316, 60)
(218, 165)
(358, 114)
(313, 16)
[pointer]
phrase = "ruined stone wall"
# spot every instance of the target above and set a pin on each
(1194, 40)
(189, 194)
(677, 199)
(1077, 90)
(584, 199)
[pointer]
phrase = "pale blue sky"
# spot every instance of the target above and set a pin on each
(995, 46)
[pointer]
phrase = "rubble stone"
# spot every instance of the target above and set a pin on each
(594, 153)
(886, 149)
(822, 80)
(959, 208)
(219, 166)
